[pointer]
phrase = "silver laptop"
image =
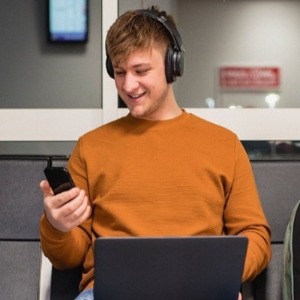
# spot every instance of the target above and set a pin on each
(173, 268)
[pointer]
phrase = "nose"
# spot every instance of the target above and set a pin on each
(130, 82)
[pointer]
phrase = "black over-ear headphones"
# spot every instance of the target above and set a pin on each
(174, 63)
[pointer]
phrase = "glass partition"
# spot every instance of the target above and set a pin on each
(239, 54)
(49, 96)
(38, 74)
(272, 150)
(47, 89)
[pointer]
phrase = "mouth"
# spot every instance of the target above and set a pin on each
(136, 96)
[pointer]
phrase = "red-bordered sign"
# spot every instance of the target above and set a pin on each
(249, 77)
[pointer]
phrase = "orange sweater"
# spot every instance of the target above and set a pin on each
(184, 176)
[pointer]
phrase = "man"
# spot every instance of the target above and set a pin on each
(158, 171)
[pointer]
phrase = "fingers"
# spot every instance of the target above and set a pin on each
(65, 197)
(71, 214)
(79, 215)
(65, 210)
(55, 201)
(75, 208)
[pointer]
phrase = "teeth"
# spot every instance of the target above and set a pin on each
(136, 96)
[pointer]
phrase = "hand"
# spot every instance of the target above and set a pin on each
(240, 296)
(66, 210)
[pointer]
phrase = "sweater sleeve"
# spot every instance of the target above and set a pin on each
(244, 215)
(68, 250)
(64, 250)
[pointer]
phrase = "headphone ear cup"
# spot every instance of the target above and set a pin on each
(169, 65)
(178, 63)
(174, 64)
(109, 67)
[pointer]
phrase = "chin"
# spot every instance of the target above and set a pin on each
(137, 115)
(137, 112)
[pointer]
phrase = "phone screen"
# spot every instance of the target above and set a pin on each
(59, 179)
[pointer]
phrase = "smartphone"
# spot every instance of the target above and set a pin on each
(59, 179)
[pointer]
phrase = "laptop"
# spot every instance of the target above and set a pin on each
(169, 268)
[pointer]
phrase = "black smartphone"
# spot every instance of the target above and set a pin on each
(59, 179)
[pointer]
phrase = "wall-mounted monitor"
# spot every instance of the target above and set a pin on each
(68, 21)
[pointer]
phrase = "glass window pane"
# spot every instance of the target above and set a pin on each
(274, 150)
(36, 74)
(237, 34)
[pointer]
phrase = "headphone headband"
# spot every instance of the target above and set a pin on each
(174, 34)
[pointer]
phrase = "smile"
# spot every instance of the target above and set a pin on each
(135, 97)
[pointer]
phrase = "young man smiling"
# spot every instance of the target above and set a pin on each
(141, 83)
(159, 171)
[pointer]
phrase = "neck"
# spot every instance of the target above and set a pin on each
(169, 109)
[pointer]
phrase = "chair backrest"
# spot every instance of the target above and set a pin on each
(20, 197)
(277, 183)
(21, 207)
(279, 190)
(59, 161)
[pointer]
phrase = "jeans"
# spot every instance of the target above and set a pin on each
(86, 295)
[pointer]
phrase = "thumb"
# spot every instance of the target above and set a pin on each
(45, 187)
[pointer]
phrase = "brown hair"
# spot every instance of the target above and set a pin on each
(136, 31)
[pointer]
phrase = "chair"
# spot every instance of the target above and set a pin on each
(21, 208)
(279, 190)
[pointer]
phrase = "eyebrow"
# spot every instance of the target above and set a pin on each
(135, 66)
(146, 65)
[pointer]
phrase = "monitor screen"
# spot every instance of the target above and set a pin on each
(67, 21)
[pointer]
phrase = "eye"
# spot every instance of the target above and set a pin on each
(142, 71)
(119, 73)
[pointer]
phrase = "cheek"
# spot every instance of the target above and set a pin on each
(118, 83)
(155, 81)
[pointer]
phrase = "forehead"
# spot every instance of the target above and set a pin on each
(147, 55)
